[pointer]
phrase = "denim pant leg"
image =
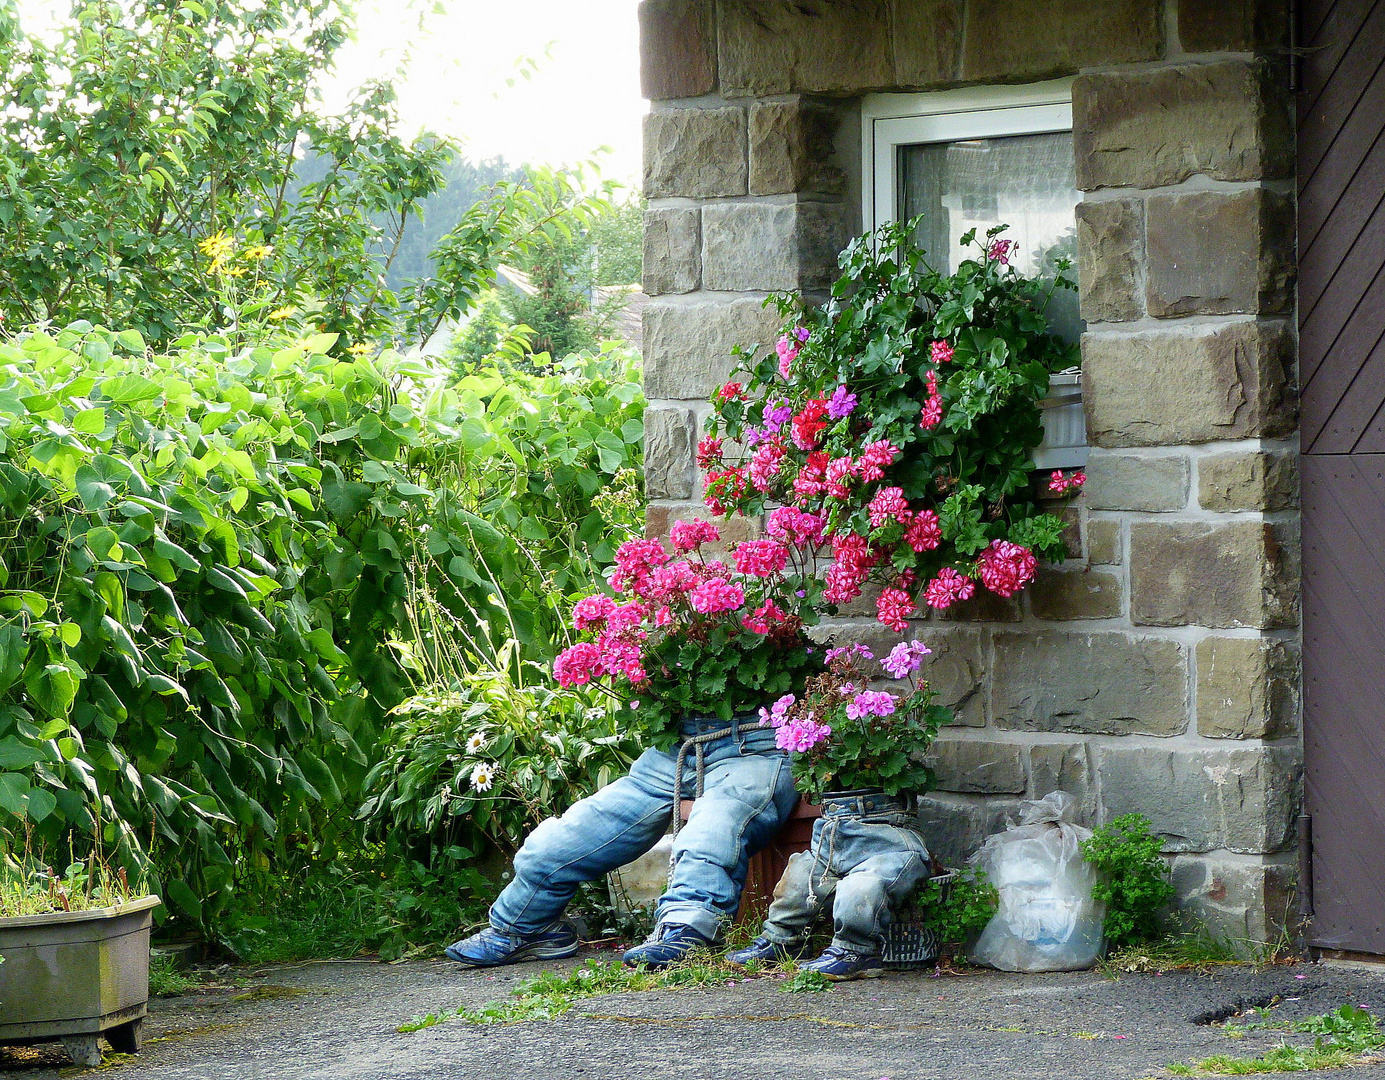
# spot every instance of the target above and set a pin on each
(749, 794)
(597, 834)
(867, 895)
(796, 905)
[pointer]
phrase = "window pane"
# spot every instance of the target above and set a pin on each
(1024, 181)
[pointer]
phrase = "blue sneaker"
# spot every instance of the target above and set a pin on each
(670, 943)
(840, 964)
(492, 947)
(764, 951)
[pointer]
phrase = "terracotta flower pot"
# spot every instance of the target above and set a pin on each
(73, 976)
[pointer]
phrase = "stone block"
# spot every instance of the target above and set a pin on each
(1232, 25)
(1264, 480)
(1021, 40)
(1247, 688)
(670, 435)
(1188, 384)
(1130, 482)
(1110, 250)
(1244, 900)
(1243, 799)
(1111, 682)
(792, 148)
(768, 47)
(677, 49)
(1075, 594)
(979, 766)
(927, 42)
(687, 344)
(659, 519)
(1227, 120)
(764, 246)
(954, 826)
(1200, 573)
(956, 669)
(695, 153)
(1219, 253)
(1103, 541)
(1064, 766)
(672, 250)
(984, 606)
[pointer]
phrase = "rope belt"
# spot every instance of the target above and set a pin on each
(698, 744)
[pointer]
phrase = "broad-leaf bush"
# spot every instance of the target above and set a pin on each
(206, 561)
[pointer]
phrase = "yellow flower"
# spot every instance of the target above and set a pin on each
(218, 246)
(359, 349)
(282, 313)
(230, 271)
(258, 253)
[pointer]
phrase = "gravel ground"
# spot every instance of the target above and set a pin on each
(339, 1020)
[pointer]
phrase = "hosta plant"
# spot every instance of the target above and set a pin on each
(904, 413)
(843, 735)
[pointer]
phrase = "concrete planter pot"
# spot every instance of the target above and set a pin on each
(1065, 424)
(74, 976)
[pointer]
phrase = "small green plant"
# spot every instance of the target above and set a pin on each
(806, 982)
(165, 977)
(29, 885)
(959, 909)
(1133, 881)
(1197, 950)
(1341, 1038)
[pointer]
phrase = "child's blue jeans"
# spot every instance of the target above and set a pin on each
(867, 855)
(748, 795)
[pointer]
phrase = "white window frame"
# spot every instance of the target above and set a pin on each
(889, 121)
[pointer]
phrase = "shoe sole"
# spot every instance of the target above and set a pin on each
(867, 973)
(536, 951)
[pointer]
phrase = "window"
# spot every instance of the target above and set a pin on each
(974, 158)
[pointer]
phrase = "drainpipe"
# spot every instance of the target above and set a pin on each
(1305, 881)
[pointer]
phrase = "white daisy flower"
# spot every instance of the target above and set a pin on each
(475, 743)
(482, 777)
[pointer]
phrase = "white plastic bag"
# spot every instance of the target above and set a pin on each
(1047, 920)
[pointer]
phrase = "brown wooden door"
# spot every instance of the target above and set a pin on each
(1341, 190)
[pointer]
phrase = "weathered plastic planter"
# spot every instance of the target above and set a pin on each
(1065, 424)
(74, 976)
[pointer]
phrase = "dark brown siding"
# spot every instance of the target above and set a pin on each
(1341, 179)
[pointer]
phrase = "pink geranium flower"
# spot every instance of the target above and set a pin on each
(893, 609)
(948, 588)
(716, 594)
(1006, 568)
(689, 535)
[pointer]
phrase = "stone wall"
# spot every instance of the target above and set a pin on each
(1157, 670)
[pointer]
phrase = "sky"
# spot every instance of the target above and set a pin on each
(541, 81)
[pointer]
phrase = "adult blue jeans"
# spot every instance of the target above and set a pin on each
(748, 795)
(867, 855)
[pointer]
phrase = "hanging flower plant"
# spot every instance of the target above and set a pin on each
(904, 413)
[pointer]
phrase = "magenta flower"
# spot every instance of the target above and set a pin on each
(924, 532)
(716, 594)
(999, 251)
(941, 352)
(1006, 568)
(591, 612)
(800, 736)
(893, 609)
(905, 658)
(760, 557)
(840, 403)
(947, 588)
(889, 504)
(870, 703)
(578, 664)
(690, 535)
(777, 713)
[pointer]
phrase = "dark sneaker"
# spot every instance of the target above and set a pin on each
(840, 964)
(492, 947)
(670, 943)
(764, 951)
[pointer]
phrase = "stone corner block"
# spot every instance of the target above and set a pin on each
(1110, 249)
(1243, 799)
(1265, 480)
(1075, 594)
(1012, 42)
(792, 148)
(1107, 682)
(771, 246)
(1064, 766)
(672, 250)
(1219, 253)
(767, 47)
(1228, 120)
(1130, 482)
(659, 518)
(1222, 574)
(677, 49)
(1243, 900)
(670, 436)
(695, 153)
(688, 345)
(1188, 384)
(1232, 25)
(1247, 688)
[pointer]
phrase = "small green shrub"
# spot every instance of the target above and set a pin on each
(1342, 1038)
(1133, 880)
(959, 910)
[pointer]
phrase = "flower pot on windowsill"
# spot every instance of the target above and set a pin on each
(1065, 424)
(74, 976)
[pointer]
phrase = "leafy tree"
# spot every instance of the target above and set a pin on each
(147, 179)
